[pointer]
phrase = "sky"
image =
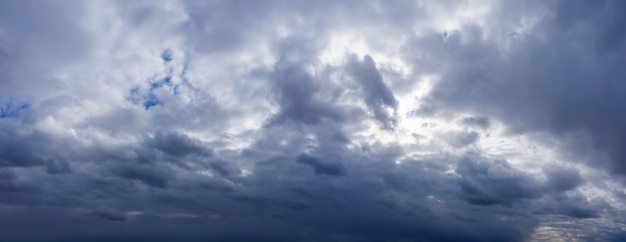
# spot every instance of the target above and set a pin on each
(311, 121)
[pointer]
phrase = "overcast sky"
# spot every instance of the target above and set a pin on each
(312, 120)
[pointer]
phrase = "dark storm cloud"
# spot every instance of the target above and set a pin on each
(563, 178)
(16, 156)
(224, 168)
(149, 175)
(397, 214)
(577, 212)
(562, 78)
(110, 214)
(178, 145)
(490, 182)
(54, 166)
(322, 167)
(29, 149)
(8, 181)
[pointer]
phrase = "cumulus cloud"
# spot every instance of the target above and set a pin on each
(311, 121)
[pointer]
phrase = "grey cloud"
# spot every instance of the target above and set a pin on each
(376, 93)
(296, 91)
(33, 148)
(16, 152)
(577, 212)
(460, 139)
(485, 184)
(322, 167)
(422, 178)
(157, 177)
(574, 205)
(563, 178)
(263, 202)
(224, 168)
(110, 214)
(16, 157)
(54, 166)
(573, 93)
(606, 14)
(178, 145)
(257, 136)
(477, 121)
(31, 57)
(8, 181)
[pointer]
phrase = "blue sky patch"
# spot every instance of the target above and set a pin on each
(167, 55)
(151, 103)
(11, 110)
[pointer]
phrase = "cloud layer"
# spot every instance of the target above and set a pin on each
(312, 121)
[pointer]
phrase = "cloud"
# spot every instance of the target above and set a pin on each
(110, 214)
(311, 121)
(58, 167)
(563, 178)
(477, 121)
(460, 139)
(8, 182)
(145, 174)
(572, 98)
(320, 167)
(376, 93)
(177, 145)
(483, 184)
(296, 91)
